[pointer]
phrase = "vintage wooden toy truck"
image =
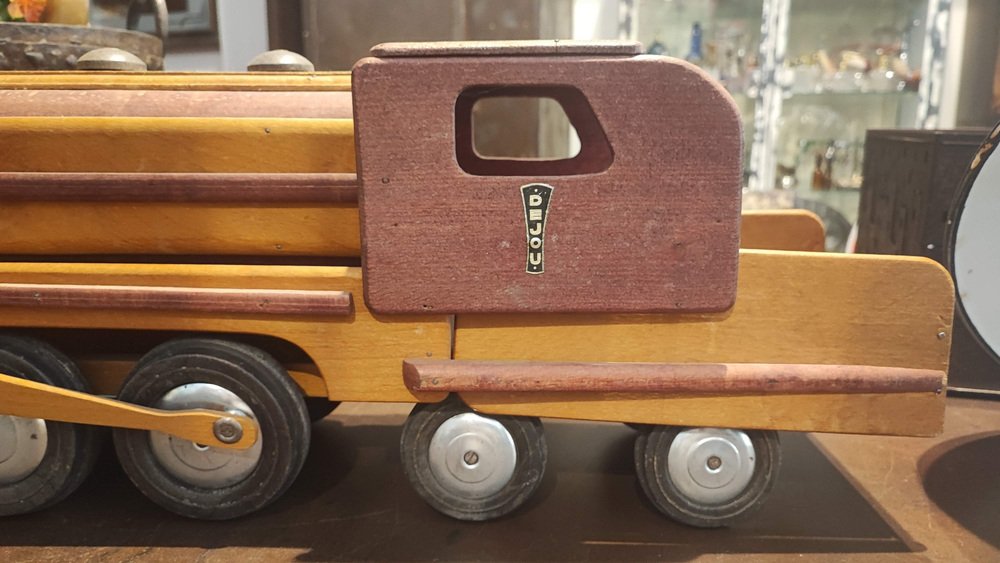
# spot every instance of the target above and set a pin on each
(181, 263)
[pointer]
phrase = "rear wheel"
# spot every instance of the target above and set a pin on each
(41, 462)
(200, 481)
(470, 466)
(707, 477)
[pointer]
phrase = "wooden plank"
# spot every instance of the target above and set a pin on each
(791, 307)
(662, 222)
(681, 379)
(898, 414)
(358, 356)
(174, 103)
(26, 398)
(179, 144)
(185, 299)
(782, 229)
(512, 48)
(211, 229)
(178, 187)
(185, 81)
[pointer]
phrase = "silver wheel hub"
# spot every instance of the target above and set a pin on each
(711, 465)
(472, 456)
(23, 442)
(197, 464)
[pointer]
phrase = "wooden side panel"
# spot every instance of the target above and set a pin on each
(790, 308)
(181, 81)
(94, 145)
(782, 229)
(178, 144)
(359, 356)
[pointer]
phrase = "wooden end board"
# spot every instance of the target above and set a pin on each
(782, 229)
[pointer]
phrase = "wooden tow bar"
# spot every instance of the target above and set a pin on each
(31, 399)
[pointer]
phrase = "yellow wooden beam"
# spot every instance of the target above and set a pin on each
(269, 81)
(21, 397)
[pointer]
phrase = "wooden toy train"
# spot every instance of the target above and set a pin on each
(180, 262)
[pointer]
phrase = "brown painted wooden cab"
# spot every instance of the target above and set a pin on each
(645, 218)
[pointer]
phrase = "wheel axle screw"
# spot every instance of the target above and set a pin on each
(228, 430)
(471, 458)
(714, 463)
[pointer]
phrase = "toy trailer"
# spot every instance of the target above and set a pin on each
(203, 272)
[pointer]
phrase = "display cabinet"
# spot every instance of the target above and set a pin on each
(810, 77)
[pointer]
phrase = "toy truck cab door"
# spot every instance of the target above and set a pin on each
(644, 219)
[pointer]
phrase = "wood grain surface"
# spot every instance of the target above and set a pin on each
(681, 379)
(791, 307)
(178, 187)
(782, 229)
(656, 231)
(179, 299)
(178, 81)
(358, 356)
(179, 144)
(525, 48)
(22, 397)
(174, 103)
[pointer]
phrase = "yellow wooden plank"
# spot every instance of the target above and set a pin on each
(359, 357)
(791, 307)
(782, 229)
(62, 228)
(178, 144)
(272, 81)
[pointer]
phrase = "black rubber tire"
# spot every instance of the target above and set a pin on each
(319, 408)
(651, 453)
(260, 381)
(72, 448)
(532, 455)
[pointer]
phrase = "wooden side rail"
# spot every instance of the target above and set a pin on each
(693, 379)
(145, 187)
(30, 399)
(193, 299)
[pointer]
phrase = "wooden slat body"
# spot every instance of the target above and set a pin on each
(358, 356)
(811, 308)
(98, 145)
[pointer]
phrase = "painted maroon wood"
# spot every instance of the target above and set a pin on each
(178, 187)
(653, 229)
(695, 379)
(525, 48)
(190, 299)
(174, 103)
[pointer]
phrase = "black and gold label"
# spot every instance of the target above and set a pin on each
(536, 199)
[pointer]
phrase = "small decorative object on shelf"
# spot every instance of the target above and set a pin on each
(22, 10)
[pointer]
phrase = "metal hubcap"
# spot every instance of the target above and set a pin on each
(197, 464)
(711, 465)
(472, 456)
(23, 442)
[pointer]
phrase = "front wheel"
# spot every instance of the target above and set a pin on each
(41, 462)
(707, 477)
(199, 481)
(470, 466)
